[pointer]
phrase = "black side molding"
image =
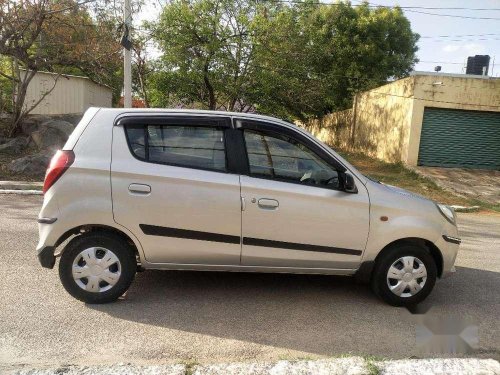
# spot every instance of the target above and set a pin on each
(47, 220)
(456, 240)
(46, 257)
(154, 230)
(298, 246)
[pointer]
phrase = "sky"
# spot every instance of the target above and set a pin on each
(445, 41)
(452, 52)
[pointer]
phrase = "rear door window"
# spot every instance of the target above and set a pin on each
(199, 147)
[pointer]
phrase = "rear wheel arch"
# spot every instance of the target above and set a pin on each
(96, 228)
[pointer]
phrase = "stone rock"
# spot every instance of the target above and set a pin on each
(14, 146)
(28, 126)
(52, 134)
(64, 127)
(48, 138)
(32, 165)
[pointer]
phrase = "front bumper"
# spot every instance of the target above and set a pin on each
(46, 257)
(448, 244)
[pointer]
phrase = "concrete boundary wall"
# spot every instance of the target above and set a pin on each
(386, 122)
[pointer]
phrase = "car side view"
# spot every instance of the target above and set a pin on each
(137, 189)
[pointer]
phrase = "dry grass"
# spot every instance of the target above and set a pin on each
(398, 175)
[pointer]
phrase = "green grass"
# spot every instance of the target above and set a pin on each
(399, 175)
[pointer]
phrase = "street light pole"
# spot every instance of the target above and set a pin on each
(127, 58)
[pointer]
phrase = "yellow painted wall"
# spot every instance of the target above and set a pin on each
(442, 91)
(386, 122)
(382, 120)
(334, 129)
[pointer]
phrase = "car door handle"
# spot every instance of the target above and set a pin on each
(268, 204)
(139, 189)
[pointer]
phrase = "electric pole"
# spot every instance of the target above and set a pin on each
(127, 55)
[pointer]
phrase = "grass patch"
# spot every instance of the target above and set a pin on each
(398, 174)
(190, 366)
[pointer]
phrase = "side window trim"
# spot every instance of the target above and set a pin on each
(222, 123)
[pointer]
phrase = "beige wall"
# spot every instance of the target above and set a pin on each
(71, 95)
(334, 129)
(383, 118)
(442, 91)
(386, 122)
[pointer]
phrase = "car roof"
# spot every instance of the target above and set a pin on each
(253, 116)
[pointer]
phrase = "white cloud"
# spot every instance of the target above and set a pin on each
(451, 48)
(470, 48)
(474, 48)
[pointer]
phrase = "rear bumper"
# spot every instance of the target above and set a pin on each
(46, 257)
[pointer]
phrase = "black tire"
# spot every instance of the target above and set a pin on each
(114, 243)
(379, 281)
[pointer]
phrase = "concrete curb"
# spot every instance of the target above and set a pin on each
(21, 187)
(346, 365)
(466, 209)
(21, 192)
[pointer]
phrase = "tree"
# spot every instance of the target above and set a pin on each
(141, 68)
(315, 58)
(61, 37)
(206, 54)
(295, 60)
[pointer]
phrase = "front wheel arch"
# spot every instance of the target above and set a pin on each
(420, 242)
(365, 271)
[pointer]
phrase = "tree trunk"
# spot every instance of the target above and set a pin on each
(212, 104)
(18, 113)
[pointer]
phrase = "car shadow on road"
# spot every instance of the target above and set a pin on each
(317, 314)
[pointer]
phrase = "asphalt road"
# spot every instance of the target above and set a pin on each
(172, 317)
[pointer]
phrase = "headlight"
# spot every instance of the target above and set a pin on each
(447, 212)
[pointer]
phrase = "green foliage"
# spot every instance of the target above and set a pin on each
(295, 60)
(5, 85)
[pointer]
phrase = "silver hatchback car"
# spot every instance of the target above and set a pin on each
(219, 191)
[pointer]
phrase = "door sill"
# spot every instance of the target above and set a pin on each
(233, 268)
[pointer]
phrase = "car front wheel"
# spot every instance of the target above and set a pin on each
(97, 267)
(404, 275)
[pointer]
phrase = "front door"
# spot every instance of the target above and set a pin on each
(295, 212)
(172, 188)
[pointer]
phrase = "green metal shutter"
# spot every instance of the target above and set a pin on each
(457, 138)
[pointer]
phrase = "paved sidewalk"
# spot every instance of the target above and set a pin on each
(470, 183)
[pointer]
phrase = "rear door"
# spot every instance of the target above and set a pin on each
(296, 213)
(172, 188)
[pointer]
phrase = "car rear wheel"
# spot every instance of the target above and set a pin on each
(97, 267)
(404, 275)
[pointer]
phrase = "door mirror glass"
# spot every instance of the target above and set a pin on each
(349, 184)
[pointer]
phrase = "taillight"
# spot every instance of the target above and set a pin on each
(58, 165)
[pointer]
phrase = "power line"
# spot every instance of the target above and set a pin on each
(460, 40)
(451, 15)
(385, 6)
(441, 62)
(456, 36)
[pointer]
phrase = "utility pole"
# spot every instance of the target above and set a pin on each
(127, 56)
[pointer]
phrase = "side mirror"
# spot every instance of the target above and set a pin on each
(349, 184)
